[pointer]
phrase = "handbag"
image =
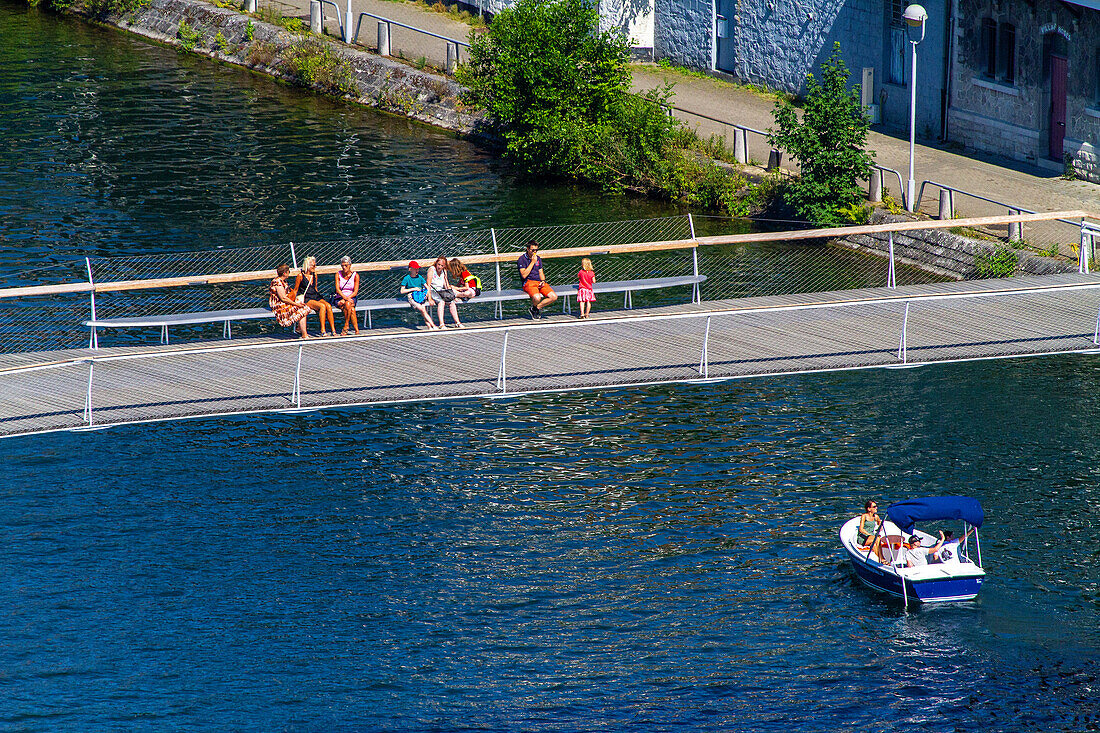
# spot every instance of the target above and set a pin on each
(447, 295)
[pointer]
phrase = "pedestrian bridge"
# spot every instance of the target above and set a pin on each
(890, 325)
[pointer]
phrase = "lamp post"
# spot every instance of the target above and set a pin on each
(915, 16)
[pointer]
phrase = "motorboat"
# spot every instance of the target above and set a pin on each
(953, 573)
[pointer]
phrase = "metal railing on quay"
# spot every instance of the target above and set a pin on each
(741, 149)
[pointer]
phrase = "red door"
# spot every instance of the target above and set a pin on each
(1057, 105)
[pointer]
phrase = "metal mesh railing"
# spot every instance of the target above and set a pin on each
(780, 334)
(734, 263)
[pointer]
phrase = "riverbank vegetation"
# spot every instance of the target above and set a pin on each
(829, 143)
(559, 91)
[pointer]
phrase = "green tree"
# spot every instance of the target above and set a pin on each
(560, 90)
(828, 143)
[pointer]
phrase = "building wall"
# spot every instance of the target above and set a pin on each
(682, 32)
(777, 43)
(1014, 119)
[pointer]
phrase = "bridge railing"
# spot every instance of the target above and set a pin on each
(44, 309)
(778, 335)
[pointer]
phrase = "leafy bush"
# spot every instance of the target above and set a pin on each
(313, 63)
(189, 37)
(1000, 262)
(827, 142)
(854, 214)
(104, 7)
(249, 31)
(220, 43)
(560, 90)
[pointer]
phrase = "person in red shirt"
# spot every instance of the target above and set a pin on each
(586, 278)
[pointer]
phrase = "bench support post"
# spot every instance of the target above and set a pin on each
(227, 330)
(93, 337)
(704, 358)
(88, 396)
(297, 397)
(891, 277)
(164, 334)
(903, 347)
(370, 321)
(695, 296)
(502, 375)
(499, 308)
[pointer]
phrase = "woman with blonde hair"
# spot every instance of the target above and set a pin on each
(305, 287)
(347, 290)
(441, 290)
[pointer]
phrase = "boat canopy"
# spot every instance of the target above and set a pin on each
(935, 508)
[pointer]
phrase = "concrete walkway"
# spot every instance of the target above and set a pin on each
(979, 173)
(404, 43)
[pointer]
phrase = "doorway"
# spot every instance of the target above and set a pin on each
(726, 11)
(1056, 71)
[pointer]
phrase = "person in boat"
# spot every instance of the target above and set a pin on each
(306, 284)
(868, 527)
(288, 311)
(916, 555)
(347, 290)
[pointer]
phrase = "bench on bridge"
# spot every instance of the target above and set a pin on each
(227, 317)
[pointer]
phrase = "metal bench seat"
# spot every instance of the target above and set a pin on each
(226, 317)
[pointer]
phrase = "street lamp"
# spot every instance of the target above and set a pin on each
(915, 16)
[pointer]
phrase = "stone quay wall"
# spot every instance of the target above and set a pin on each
(943, 252)
(380, 82)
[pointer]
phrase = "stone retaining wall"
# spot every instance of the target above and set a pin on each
(944, 253)
(381, 82)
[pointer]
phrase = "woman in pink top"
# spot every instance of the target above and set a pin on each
(586, 278)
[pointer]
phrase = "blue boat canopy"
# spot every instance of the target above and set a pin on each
(935, 508)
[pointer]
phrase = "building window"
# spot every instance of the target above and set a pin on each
(1096, 68)
(1006, 53)
(989, 48)
(897, 56)
(998, 51)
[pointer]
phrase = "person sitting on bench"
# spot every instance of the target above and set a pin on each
(306, 284)
(288, 311)
(534, 279)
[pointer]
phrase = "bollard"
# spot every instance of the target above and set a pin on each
(874, 186)
(250, 6)
(383, 38)
(347, 24)
(740, 145)
(1015, 230)
(452, 57)
(315, 17)
(947, 204)
(775, 159)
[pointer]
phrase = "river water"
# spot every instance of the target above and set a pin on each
(648, 559)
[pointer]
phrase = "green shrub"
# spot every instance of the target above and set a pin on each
(1000, 262)
(189, 37)
(827, 142)
(219, 42)
(854, 214)
(105, 7)
(249, 31)
(313, 63)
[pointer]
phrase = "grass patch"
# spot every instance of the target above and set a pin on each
(271, 14)
(1001, 262)
(756, 89)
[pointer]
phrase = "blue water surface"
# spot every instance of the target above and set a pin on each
(646, 559)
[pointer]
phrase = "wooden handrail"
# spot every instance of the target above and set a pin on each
(790, 235)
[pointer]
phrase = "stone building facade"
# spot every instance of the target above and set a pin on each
(1026, 82)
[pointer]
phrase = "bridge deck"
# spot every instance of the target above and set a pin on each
(733, 338)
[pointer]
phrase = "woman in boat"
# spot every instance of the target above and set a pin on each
(306, 284)
(868, 526)
(288, 312)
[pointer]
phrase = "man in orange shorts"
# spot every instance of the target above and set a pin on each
(534, 280)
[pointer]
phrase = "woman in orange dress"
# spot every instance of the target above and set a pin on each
(287, 310)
